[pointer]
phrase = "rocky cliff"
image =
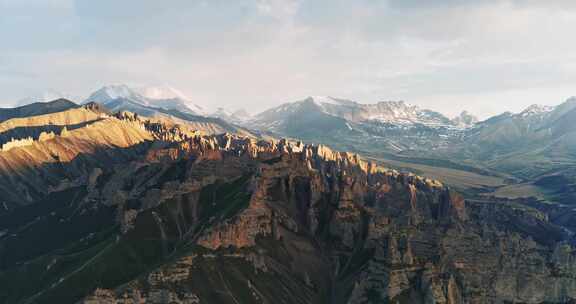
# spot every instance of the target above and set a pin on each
(188, 218)
(334, 229)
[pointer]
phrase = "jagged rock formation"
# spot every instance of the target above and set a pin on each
(407, 137)
(130, 210)
(77, 136)
(382, 236)
(34, 169)
(28, 141)
(14, 143)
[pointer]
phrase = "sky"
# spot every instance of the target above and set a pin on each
(477, 55)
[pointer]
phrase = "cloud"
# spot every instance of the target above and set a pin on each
(258, 53)
(279, 9)
(24, 7)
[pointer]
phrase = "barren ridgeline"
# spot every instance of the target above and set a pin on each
(130, 207)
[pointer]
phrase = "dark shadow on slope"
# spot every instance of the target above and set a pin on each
(34, 132)
(26, 183)
(62, 247)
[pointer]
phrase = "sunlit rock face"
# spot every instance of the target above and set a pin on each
(127, 209)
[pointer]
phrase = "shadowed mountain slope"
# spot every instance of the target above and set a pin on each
(38, 108)
(129, 210)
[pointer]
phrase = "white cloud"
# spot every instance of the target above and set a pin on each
(25, 7)
(279, 9)
(258, 53)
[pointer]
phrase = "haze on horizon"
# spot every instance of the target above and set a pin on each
(482, 56)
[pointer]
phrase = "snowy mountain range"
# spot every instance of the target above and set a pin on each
(324, 115)
(317, 116)
(386, 112)
(539, 133)
(145, 99)
(116, 97)
(237, 117)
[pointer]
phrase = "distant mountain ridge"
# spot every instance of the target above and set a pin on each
(394, 126)
(238, 116)
(543, 136)
(115, 97)
(390, 112)
(37, 108)
(539, 134)
(121, 208)
(162, 103)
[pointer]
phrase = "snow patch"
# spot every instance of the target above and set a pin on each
(536, 109)
(161, 92)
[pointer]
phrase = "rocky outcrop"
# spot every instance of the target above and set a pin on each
(28, 141)
(384, 236)
(15, 143)
(230, 219)
(37, 166)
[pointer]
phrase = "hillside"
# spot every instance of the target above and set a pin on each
(38, 108)
(454, 150)
(128, 207)
(162, 103)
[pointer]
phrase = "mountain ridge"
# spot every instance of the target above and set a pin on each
(36, 108)
(167, 98)
(395, 112)
(131, 207)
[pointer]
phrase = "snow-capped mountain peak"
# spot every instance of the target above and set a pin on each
(390, 111)
(536, 109)
(238, 116)
(402, 113)
(151, 92)
(112, 92)
(162, 92)
(114, 96)
(396, 113)
(325, 100)
(118, 91)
